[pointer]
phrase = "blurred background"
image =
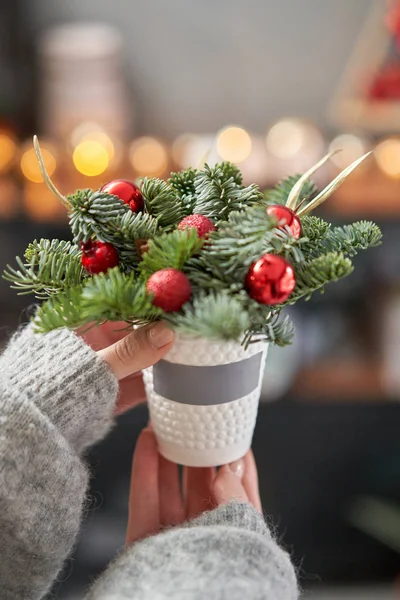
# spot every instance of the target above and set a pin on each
(143, 87)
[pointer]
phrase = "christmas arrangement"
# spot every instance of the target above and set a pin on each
(216, 260)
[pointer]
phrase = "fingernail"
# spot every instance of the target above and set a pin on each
(237, 468)
(160, 335)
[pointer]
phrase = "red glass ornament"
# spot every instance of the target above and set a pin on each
(126, 191)
(286, 218)
(270, 280)
(97, 257)
(170, 289)
(203, 224)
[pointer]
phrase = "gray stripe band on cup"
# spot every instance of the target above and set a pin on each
(217, 384)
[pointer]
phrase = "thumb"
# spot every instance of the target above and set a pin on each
(138, 350)
(228, 484)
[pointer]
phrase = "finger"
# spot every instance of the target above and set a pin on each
(131, 393)
(197, 490)
(144, 510)
(171, 504)
(138, 350)
(250, 481)
(228, 484)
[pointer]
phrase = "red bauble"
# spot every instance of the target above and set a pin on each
(203, 224)
(126, 191)
(97, 257)
(286, 218)
(170, 289)
(270, 280)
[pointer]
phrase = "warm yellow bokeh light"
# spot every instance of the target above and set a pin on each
(90, 158)
(387, 155)
(103, 139)
(82, 130)
(148, 156)
(234, 144)
(351, 146)
(41, 204)
(93, 133)
(30, 166)
(8, 149)
(286, 138)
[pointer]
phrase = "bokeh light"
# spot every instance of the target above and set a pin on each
(234, 144)
(30, 166)
(181, 148)
(8, 150)
(387, 155)
(40, 204)
(148, 156)
(351, 146)
(91, 158)
(286, 138)
(93, 132)
(290, 137)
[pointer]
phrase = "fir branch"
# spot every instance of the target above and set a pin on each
(231, 171)
(116, 296)
(352, 238)
(170, 250)
(217, 316)
(91, 213)
(217, 196)
(125, 231)
(50, 267)
(62, 310)
(317, 273)
(266, 323)
(162, 202)
(113, 296)
(280, 193)
(316, 231)
(203, 278)
(183, 182)
(242, 240)
(274, 329)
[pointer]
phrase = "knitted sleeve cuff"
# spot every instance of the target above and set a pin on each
(65, 379)
(235, 514)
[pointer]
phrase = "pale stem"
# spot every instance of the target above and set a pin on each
(46, 177)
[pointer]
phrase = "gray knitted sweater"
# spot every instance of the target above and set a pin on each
(57, 398)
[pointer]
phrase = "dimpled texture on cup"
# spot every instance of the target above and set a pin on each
(205, 428)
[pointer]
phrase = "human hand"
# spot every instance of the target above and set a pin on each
(127, 353)
(156, 500)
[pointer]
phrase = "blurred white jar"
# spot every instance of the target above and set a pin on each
(82, 79)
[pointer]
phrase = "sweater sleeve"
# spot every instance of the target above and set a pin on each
(225, 554)
(56, 398)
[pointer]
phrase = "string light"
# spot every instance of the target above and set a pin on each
(148, 156)
(351, 146)
(234, 144)
(30, 167)
(91, 158)
(387, 155)
(8, 150)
